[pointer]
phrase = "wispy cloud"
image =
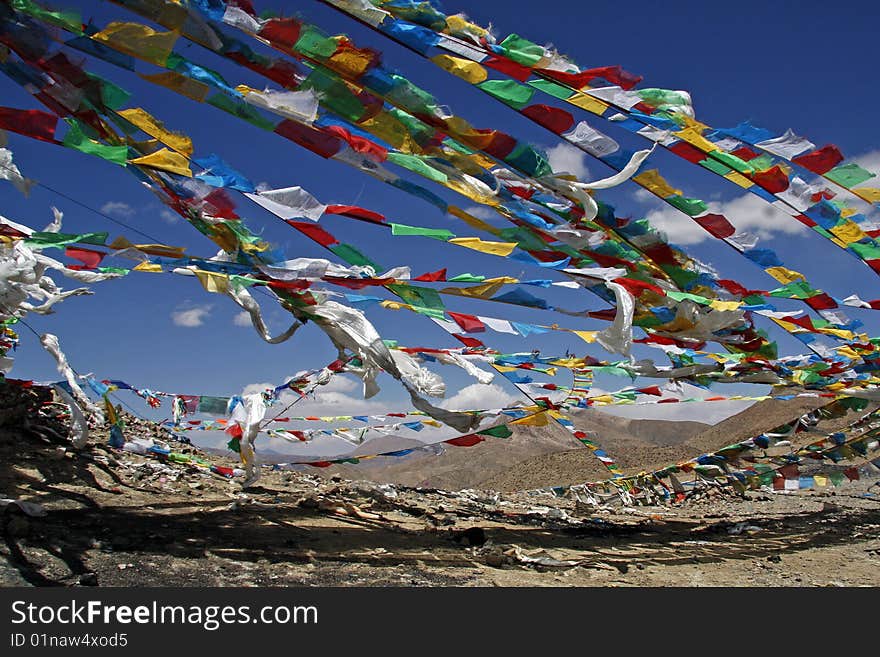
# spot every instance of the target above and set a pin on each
(483, 212)
(168, 216)
(191, 317)
(341, 396)
(118, 209)
(479, 396)
(242, 319)
(565, 158)
(747, 213)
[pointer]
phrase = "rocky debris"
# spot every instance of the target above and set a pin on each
(19, 404)
(120, 518)
(499, 556)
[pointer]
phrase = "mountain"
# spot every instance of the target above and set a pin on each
(469, 467)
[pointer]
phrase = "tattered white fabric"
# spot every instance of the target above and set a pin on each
(451, 358)
(421, 378)
(349, 329)
(50, 344)
(79, 425)
(247, 303)
(9, 171)
(248, 414)
(242, 20)
(616, 96)
(296, 105)
(363, 9)
(312, 269)
(590, 140)
(579, 190)
(289, 203)
(617, 338)
(787, 146)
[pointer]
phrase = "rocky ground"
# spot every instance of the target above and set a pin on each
(111, 518)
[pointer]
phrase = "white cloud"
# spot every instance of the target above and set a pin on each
(752, 214)
(479, 396)
(251, 388)
(871, 162)
(747, 213)
(168, 216)
(483, 212)
(565, 158)
(644, 196)
(242, 319)
(191, 317)
(343, 395)
(117, 209)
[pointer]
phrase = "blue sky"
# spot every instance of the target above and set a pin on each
(805, 67)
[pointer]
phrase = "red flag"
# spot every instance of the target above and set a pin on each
(317, 141)
(89, 258)
(432, 277)
(820, 161)
(465, 441)
(313, 231)
(636, 287)
(554, 119)
(468, 323)
(281, 31)
(356, 212)
(688, 152)
(32, 123)
(508, 67)
(716, 225)
(774, 179)
(468, 342)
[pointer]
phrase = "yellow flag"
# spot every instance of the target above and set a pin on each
(459, 23)
(112, 417)
(785, 276)
(162, 250)
(848, 232)
(654, 182)
(387, 128)
(587, 336)
(148, 267)
(870, 194)
(482, 291)
(395, 305)
(213, 281)
(493, 248)
(471, 220)
(725, 305)
(737, 178)
(587, 102)
(351, 61)
(536, 420)
(165, 160)
(463, 68)
(138, 41)
(693, 137)
(154, 127)
(840, 333)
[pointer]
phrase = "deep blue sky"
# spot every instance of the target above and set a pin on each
(809, 66)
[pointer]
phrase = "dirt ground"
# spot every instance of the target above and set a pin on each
(119, 519)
